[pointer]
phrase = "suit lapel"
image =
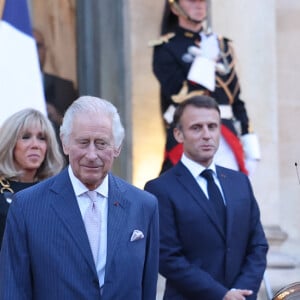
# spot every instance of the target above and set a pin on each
(117, 216)
(67, 209)
(186, 179)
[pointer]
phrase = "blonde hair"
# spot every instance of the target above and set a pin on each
(10, 132)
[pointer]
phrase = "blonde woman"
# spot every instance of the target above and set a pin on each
(29, 153)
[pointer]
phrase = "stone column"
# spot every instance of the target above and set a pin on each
(252, 27)
(104, 62)
(148, 134)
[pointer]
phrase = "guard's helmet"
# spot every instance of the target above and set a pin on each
(170, 20)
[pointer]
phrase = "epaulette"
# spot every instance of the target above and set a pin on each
(163, 39)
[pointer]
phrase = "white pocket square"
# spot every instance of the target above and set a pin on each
(136, 235)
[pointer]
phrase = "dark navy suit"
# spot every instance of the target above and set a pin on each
(199, 259)
(46, 254)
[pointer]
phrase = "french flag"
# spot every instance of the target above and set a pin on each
(20, 76)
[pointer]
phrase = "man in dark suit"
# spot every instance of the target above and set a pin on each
(206, 252)
(85, 233)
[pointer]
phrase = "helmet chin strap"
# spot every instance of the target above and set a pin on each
(181, 11)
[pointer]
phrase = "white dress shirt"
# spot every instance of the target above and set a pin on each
(83, 201)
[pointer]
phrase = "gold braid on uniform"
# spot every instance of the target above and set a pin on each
(229, 51)
(220, 81)
(184, 95)
(161, 40)
(237, 86)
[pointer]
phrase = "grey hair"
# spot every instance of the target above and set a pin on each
(11, 130)
(85, 104)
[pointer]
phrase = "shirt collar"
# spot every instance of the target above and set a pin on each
(194, 167)
(80, 188)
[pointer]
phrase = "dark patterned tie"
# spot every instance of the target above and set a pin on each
(215, 196)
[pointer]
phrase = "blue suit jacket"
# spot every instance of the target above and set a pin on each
(46, 253)
(199, 259)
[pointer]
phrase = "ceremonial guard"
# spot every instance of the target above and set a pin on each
(189, 59)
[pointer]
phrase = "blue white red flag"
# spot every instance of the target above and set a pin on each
(20, 75)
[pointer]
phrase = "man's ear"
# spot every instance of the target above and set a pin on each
(117, 151)
(178, 135)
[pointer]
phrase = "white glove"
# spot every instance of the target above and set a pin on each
(169, 114)
(252, 152)
(203, 68)
(251, 146)
(210, 46)
(194, 50)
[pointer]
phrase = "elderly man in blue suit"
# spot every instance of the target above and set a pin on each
(209, 250)
(84, 234)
